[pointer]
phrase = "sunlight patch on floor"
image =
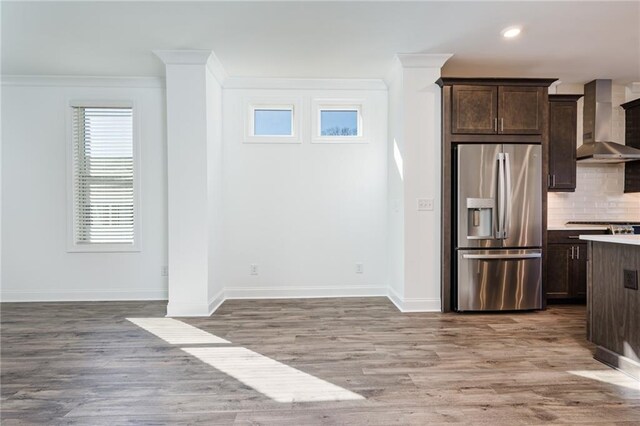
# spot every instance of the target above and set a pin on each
(267, 376)
(611, 376)
(176, 332)
(270, 377)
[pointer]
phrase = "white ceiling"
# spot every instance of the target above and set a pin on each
(573, 41)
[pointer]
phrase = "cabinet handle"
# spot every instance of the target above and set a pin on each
(578, 252)
(553, 180)
(572, 248)
(502, 125)
(495, 124)
(574, 237)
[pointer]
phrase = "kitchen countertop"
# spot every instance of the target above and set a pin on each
(577, 228)
(633, 240)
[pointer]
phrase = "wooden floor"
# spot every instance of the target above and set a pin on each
(84, 363)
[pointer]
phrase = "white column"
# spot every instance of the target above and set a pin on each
(416, 131)
(188, 159)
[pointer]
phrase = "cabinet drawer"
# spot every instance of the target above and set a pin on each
(571, 237)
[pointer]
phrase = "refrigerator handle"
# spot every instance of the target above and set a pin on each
(507, 206)
(502, 256)
(501, 196)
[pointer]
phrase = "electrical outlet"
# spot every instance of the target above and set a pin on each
(630, 279)
(425, 204)
(164, 271)
(359, 268)
(253, 269)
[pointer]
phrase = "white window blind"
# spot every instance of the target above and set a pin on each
(103, 176)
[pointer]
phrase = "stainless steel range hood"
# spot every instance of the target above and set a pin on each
(597, 146)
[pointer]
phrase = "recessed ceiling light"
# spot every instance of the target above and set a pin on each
(511, 32)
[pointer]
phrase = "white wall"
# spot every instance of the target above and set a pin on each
(36, 265)
(599, 193)
(305, 213)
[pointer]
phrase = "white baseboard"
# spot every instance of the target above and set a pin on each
(188, 310)
(81, 295)
(216, 301)
(395, 298)
(302, 292)
(403, 305)
(174, 310)
(414, 305)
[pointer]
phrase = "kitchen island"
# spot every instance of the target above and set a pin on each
(613, 300)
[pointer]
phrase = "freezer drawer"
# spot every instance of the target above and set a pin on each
(499, 280)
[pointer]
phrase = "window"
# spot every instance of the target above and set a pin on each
(338, 121)
(103, 179)
(273, 121)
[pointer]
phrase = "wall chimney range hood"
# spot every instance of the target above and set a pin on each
(597, 146)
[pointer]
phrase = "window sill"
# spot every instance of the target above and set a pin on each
(103, 248)
(338, 140)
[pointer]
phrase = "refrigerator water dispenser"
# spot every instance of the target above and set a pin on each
(480, 218)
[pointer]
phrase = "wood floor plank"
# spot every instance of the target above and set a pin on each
(85, 363)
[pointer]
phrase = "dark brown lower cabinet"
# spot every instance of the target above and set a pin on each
(567, 271)
(566, 258)
(559, 271)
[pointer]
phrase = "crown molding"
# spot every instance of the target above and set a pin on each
(304, 84)
(82, 81)
(217, 69)
(634, 87)
(423, 60)
(194, 57)
(183, 57)
(414, 60)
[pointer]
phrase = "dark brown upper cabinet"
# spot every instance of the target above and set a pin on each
(563, 118)
(474, 109)
(506, 110)
(520, 110)
(632, 138)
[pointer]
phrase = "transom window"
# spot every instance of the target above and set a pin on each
(273, 120)
(338, 121)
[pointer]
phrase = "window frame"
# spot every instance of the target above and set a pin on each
(72, 245)
(281, 104)
(319, 105)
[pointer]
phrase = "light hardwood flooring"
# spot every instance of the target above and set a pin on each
(84, 363)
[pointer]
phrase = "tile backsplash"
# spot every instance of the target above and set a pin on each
(599, 191)
(599, 196)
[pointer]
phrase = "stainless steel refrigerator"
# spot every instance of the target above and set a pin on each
(498, 227)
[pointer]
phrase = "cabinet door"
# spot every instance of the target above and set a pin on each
(559, 271)
(632, 138)
(579, 281)
(562, 146)
(474, 109)
(520, 110)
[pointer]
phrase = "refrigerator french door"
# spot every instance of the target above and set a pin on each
(498, 227)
